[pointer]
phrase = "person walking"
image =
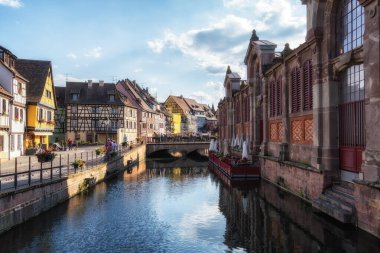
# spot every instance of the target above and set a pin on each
(70, 143)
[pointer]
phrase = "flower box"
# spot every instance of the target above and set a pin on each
(46, 156)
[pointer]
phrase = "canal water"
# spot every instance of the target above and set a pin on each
(180, 206)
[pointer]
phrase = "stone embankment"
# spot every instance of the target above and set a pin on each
(19, 205)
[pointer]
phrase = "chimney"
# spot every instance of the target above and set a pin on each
(89, 83)
(101, 83)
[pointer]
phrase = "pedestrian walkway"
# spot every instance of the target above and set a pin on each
(26, 170)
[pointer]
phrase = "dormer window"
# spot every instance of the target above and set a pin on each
(74, 96)
(111, 98)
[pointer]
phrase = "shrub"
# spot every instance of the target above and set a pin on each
(79, 163)
(99, 151)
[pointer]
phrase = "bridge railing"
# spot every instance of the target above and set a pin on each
(27, 170)
(180, 139)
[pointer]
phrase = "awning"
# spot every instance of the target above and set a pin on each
(41, 133)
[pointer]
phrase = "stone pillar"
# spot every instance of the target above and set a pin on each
(316, 156)
(256, 117)
(371, 163)
(264, 145)
(284, 148)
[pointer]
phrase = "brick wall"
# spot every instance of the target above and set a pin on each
(304, 183)
(367, 203)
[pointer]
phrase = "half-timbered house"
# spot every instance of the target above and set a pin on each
(94, 112)
(5, 99)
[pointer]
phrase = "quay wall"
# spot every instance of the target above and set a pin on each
(306, 183)
(19, 205)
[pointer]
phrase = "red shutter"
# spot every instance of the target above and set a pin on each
(279, 97)
(272, 99)
(307, 86)
(296, 87)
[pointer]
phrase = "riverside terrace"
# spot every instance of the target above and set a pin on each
(26, 171)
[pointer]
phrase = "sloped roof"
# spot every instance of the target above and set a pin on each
(94, 95)
(4, 91)
(135, 90)
(181, 103)
(36, 72)
(194, 105)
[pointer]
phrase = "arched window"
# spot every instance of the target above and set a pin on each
(352, 25)
(307, 86)
(296, 90)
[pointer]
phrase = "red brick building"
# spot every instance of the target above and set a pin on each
(314, 111)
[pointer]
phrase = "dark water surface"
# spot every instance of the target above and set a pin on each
(180, 206)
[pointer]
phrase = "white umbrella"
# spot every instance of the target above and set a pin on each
(236, 141)
(232, 141)
(225, 150)
(211, 148)
(249, 145)
(216, 145)
(244, 154)
(241, 143)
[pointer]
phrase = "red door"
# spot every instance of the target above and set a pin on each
(352, 118)
(351, 135)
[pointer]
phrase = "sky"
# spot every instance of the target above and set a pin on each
(173, 47)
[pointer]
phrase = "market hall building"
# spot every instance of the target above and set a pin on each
(313, 111)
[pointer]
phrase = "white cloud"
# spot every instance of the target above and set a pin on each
(213, 93)
(213, 47)
(138, 70)
(12, 3)
(156, 45)
(72, 56)
(224, 41)
(95, 52)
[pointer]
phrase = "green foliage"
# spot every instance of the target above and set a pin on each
(79, 163)
(99, 151)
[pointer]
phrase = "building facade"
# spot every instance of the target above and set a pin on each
(318, 106)
(5, 101)
(15, 84)
(94, 112)
(41, 102)
(59, 134)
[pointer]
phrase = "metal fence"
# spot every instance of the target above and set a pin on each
(27, 171)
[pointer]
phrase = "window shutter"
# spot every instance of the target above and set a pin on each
(296, 85)
(279, 97)
(308, 86)
(272, 99)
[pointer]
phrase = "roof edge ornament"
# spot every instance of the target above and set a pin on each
(254, 36)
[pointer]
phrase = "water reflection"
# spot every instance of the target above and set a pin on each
(179, 206)
(267, 219)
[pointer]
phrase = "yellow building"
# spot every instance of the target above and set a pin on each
(41, 102)
(176, 123)
(180, 111)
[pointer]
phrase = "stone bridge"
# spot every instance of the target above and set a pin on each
(177, 148)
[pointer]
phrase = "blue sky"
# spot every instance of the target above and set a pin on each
(171, 46)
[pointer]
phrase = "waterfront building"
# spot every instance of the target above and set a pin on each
(15, 84)
(59, 134)
(5, 99)
(145, 114)
(40, 100)
(129, 133)
(318, 106)
(94, 112)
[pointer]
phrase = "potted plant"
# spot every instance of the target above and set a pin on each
(99, 151)
(46, 156)
(79, 163)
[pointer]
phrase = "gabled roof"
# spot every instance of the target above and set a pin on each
(60, 93)
(96, 94)
(181, 103)
(36, 72)
(194, 105)
(136, 91)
